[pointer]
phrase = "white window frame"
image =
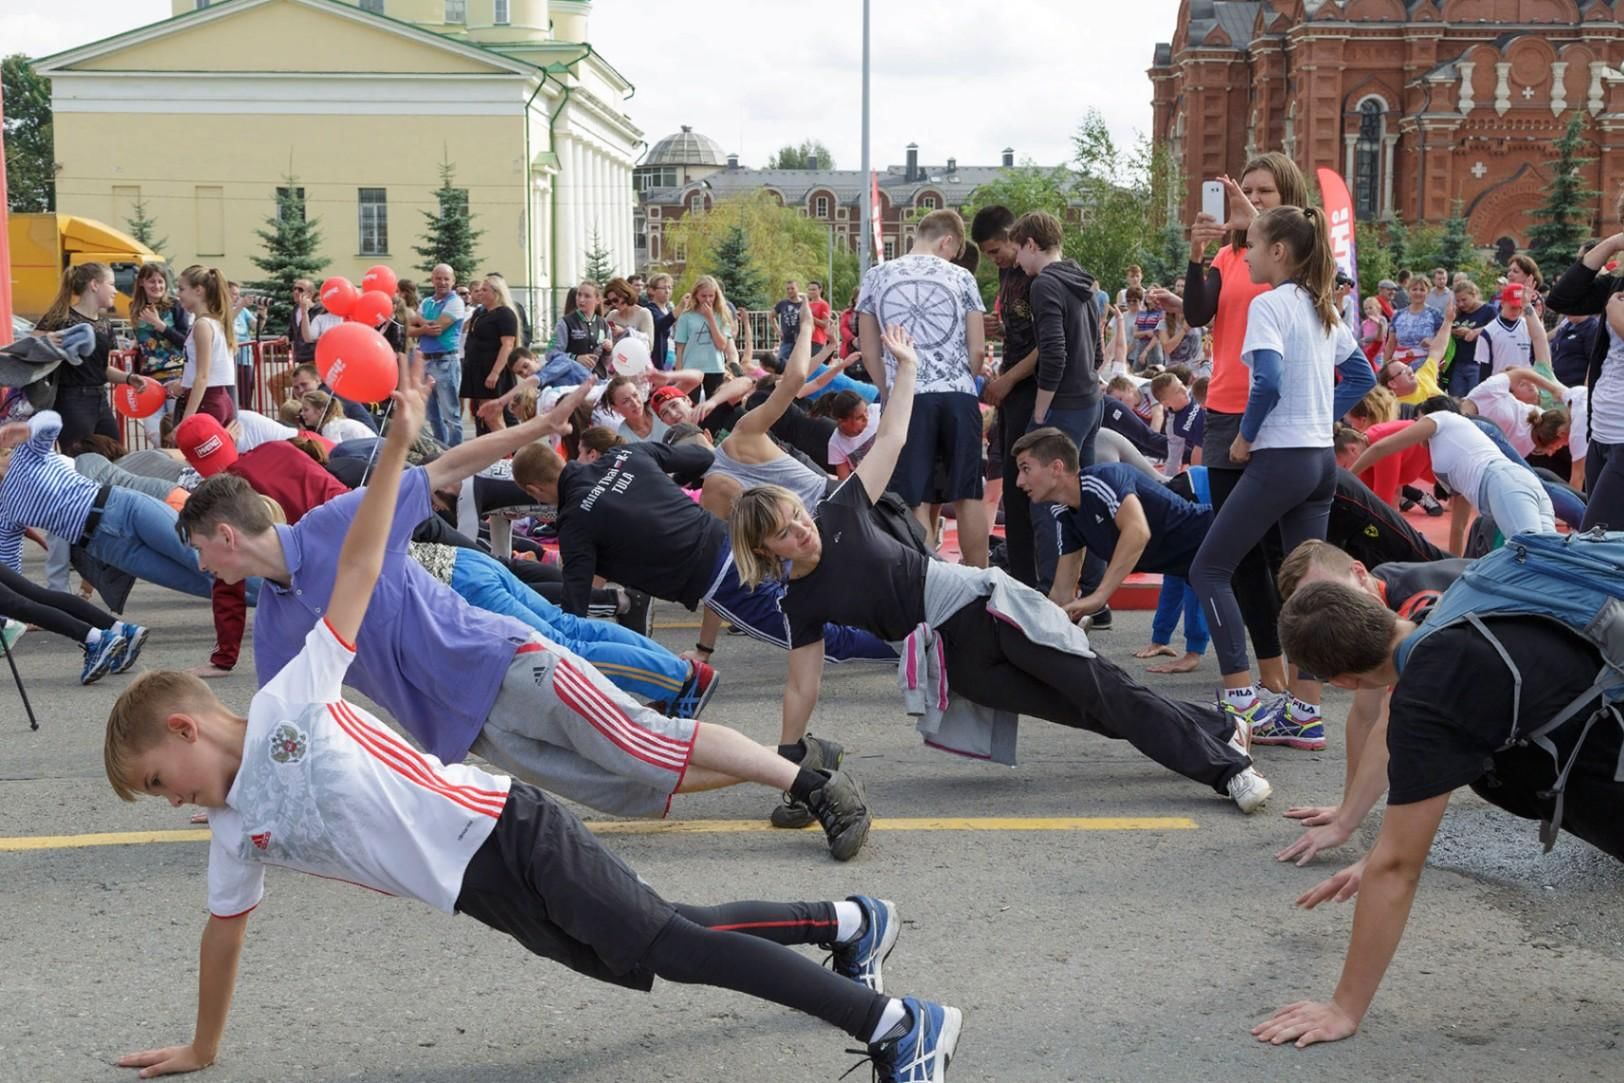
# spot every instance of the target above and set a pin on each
(821, 206)
(374, 7)
(456, 12)
(501, 14)
(372, 222)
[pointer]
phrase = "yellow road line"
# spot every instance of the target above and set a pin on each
(20, 843)
(676, 624)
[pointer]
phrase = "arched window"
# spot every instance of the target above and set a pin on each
(1367, 159)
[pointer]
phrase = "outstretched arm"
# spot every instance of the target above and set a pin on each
(470, 458)
(1416, 432)
(754, 425)
(881, 461)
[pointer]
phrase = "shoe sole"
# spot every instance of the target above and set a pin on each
(1291, 742)
(948, 1043)
(1268, 792)
(844, 848)
(888, 943)
(705, 696)
(132, 650)
(781, 817)
(113, 657)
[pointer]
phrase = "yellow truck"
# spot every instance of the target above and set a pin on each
(45, 245)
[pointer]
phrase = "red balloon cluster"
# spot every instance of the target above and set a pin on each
(372, 308)
(139, 404)
(338, 295)
(381, 278)
(357, 362)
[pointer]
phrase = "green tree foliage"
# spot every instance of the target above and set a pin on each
(811, 154)
(292, 244)
(781, 244)
(449, 236)
(1375, 257)
(1455, 247)
(600, 268)
(30, 150)
(144, 228)
(1397, 237)
(1022, 190)
(1566, 217)
(741, 282)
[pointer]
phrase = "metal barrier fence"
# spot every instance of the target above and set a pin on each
(263, 390)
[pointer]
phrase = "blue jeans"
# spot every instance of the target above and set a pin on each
(1082, 425)
(1464, 377)
(784, 349)
(633, 663)
(137, 535)
(445, 407)
(1177, 595)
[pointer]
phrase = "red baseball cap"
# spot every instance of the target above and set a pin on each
(207, 446)
(1513, 293)
(663, 395)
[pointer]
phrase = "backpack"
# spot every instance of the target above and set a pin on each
(1576, 581)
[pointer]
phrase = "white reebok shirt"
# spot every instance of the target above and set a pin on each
(327, 789)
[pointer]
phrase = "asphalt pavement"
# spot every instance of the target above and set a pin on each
(1094, 950)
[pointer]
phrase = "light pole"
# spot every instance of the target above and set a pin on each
(866, 200)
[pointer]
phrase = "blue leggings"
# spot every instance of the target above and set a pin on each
(633, 663)
(1179, 596)
(1289, 486)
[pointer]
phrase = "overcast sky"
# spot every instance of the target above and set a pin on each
(944, 75)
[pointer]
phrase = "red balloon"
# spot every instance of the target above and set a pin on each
(372, 308)
(380, 278)
(338, 295)
(138, 404)
(357, 362)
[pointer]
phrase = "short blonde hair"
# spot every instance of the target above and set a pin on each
(140, 720)
(536, 464)
(757, 514)
(1313, 553)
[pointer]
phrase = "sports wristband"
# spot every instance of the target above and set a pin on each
(702, 647)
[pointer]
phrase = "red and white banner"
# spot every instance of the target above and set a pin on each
(1339, 216)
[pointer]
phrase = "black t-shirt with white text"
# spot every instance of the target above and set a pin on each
(865, 577)
(788, 314)
(1451, 711)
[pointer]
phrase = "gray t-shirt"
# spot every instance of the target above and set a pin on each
(931, 298)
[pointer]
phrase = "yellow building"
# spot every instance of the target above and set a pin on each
(202, 115)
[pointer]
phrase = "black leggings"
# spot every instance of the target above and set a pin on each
(993, 663)
(67, 615)
(737, 947)
(1604, 484)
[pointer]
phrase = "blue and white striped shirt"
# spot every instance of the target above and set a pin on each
(41, 489)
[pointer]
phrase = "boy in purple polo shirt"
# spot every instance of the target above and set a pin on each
(460, 679)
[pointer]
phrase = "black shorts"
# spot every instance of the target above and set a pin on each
(542, 878)
(945, 428)
(1220, 432)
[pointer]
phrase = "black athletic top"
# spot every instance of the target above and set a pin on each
(865, 578)
(622, 518)
(92, 371)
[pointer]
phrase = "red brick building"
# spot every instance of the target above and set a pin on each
(1417, 103)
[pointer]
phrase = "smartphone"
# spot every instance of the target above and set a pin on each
(1213, 201)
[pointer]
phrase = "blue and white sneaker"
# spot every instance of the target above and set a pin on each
(135, 637)
(862, 958)
(924, 1052)
(100, 659)
(695, 693)
(1291, 732)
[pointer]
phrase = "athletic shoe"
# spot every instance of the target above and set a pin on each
(1264, 711)
(1406, 505)
(1430, 505)
(100, 659)
(135, 637)
(1285, 730)
(1098, 622)
(1249, 790)
(840, 808)
(10, 632)
(639, 615)
(695, 693)
(924, 1052)
(861, 959)
(820, 755)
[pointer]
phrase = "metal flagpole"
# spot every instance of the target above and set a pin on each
(865, 199)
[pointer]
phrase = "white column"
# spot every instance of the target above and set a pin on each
(623, 199)
(1347, 142)
(1466, 103)
(1389, 152)
(578, 194)
(564, 193)
(1502, 87)
(1559, 88)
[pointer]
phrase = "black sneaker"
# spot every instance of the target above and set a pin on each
(840, 807)
(1430, 505)
(1098, 622)
(820, 755)
(639, 615)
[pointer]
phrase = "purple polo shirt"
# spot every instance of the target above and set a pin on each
(423, 654)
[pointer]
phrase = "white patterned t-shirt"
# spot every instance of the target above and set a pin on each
(327, 789)
(931, 298)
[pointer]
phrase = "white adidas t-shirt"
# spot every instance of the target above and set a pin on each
(1496, 403)
(1460, 454)
(1284, 320)
(327, 789)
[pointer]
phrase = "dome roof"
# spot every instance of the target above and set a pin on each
(686, 147)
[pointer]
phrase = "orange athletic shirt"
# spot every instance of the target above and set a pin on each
(1231, 379)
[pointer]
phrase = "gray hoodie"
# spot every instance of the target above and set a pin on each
(1068, 333)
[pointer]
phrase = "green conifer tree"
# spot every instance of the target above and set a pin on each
(292, 244)
(450, 236)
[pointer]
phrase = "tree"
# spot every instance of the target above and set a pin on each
(1455, 247)
(144, 227)
(1397, 236)
(292, 242)
(1564, 220)
(1375, 257)
(781, 244)
(450, 236)
(599, 267)
(1021, 190)
(30, 146)
(811, 154)
(741, 282)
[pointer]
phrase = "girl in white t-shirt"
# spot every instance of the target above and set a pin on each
(209, 380)
(1468, 463)
(1295, 344)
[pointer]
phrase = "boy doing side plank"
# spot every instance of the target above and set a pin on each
(313, 783)
(494, 687)
(1453, 706)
